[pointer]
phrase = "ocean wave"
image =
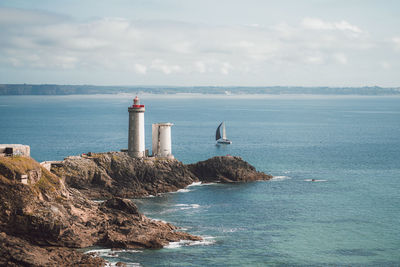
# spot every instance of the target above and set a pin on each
(315, 180)
(158, 220)
(202, 184)
(128, 264)
(232, 230)
(184, 190)
(280, 178)
(187, 206)
(109, 253)
(207, 240)
(194, 184)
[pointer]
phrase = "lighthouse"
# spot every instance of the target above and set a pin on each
(136, 146)
(161, 134)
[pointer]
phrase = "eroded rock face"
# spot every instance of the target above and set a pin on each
(49, 219)
(117, 174)
(42, 222)
(17, 251)
(121, 205)
(226, 169)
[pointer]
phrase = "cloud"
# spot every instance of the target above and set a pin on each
(314, 60)
(385, 65)
(15, 17)
(340, 58)
(318, 24)
(396, 42)
(155, 48)
(200, 66)
(139, 68)
(166, 68)
(225, 68)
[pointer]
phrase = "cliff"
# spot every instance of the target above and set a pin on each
(110, 174)
(116, 174)
(41, 222)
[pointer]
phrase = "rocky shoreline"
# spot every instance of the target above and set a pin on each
(44, 221)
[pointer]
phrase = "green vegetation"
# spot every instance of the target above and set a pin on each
(11, 167)
(48, 182)
(17, 165)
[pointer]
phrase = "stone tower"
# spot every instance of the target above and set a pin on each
(136, 145)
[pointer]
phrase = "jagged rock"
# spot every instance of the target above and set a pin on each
(226, 169)
(15, 251)
(116, 174)
(122, 205)
(42, 223)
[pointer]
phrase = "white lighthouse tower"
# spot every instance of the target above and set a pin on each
(136, 146)
(161, 133)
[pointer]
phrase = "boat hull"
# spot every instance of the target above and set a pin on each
(224, 141)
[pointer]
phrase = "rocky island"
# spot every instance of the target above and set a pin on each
(46, 219)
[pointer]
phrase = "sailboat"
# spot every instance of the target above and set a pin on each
(218, 138)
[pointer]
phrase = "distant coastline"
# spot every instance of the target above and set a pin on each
(54, 89)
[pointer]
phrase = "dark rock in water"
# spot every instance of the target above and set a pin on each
(226, 169)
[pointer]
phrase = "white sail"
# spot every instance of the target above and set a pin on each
(223, 132)
(218, 138)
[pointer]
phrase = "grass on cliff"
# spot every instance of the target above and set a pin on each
(10, 167)
(48, 182)
(17, 164)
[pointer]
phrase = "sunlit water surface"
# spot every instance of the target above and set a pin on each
(350, 145)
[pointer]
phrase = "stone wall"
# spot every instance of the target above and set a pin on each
(15, 150)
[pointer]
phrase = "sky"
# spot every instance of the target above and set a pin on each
(201, 42)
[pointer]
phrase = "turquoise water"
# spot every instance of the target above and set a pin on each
(351, 145)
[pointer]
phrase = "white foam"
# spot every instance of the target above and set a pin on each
(184, 190)
(232, 230)
(194, 184)
(128, 264)
(109, 253)
(315, 180)
(187, 206)
(207, 184)
(207, 240)
(158, 220)
(280, 178)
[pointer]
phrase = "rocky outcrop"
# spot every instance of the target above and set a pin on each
(110, 174)
(226, 169)
(41, 223)
(16, 251)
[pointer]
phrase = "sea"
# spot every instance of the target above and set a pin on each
(350, 145)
